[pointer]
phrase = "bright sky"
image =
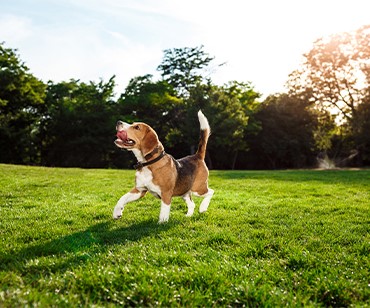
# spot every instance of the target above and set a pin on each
(262, 41)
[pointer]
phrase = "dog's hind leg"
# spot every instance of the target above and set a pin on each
(133, 195)
(190, 203)
(207, 199)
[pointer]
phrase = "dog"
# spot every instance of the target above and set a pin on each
(161, 174)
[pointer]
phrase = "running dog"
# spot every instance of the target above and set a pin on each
(161, 174)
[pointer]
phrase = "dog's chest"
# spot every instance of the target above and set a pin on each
(144, 180)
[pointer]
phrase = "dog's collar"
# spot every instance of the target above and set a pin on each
(140, 165)
(150, 155)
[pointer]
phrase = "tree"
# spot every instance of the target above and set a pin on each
(182, 68)
(155, 103)
(79, 125)
(228, 109)
(336, 72)
(286, 139)
(21, 102)
(361, 130)
(336, 77)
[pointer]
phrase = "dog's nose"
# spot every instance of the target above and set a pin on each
(122, 126)
(119, 125)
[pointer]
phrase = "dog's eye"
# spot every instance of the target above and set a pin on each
(137, 127)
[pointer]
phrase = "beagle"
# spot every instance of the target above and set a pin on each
(161, 174)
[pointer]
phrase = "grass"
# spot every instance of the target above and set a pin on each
(296, 238)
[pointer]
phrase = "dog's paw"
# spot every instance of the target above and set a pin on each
(164, 214)
(203, 208)
(189, 213)
(162, 221)
(117, 213)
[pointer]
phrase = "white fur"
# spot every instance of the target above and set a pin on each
(190, 203)
(165, 212)
(144, 181)
(139, 156)
(129, 197)
(207, 199)
(124, 126)
(203, 121)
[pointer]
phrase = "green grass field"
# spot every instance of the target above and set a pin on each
(269, 238)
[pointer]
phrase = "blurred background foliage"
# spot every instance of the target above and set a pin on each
(324, 114)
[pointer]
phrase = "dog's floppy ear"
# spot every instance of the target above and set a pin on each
(150, 142)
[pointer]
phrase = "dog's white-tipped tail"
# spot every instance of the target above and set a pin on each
(205, 130)
(203, 121)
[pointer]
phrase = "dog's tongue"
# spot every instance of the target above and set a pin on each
(122, 135)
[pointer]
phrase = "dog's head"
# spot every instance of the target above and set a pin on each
(136, 136)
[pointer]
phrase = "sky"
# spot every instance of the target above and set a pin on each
(260, 41)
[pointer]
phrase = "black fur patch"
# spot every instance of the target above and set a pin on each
(185, 172)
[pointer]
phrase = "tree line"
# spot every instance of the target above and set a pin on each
(324, 114)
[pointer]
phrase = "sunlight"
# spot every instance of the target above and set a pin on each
(261, 41)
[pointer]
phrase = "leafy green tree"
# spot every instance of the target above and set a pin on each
(175, 119)
(335, 77)
(361, 131)
(21, 102)
(183, 68)
(286, 139)
(79, 125)
(155, 103)
(228, 109)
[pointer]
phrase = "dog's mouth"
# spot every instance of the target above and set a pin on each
(123, 141)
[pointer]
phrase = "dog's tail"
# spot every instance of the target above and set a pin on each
(205, 131)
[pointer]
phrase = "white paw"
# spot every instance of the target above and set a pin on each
(203, 208)
(117, 213)
(165, 213)
(204, 205)
(163, 220)
(190, 213)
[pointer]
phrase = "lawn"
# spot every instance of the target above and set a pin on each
(269, 238)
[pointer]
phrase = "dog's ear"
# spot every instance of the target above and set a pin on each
(150, 142)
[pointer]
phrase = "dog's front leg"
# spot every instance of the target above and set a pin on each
(165, 209)
(133, 195)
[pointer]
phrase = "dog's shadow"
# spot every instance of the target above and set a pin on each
(79, 247)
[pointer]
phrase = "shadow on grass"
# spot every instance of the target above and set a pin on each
(78, 247)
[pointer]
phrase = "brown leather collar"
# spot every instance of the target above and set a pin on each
(150, 155)
(140, 165)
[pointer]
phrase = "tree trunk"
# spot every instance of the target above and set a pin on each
(234, 160)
